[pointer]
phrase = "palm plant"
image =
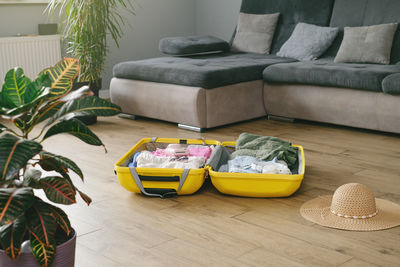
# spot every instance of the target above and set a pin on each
(48, 103)
(86, 26)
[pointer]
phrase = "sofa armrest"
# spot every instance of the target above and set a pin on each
(391, 84)
(191, 45)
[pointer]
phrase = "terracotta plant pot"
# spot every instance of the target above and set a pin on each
(65, 257)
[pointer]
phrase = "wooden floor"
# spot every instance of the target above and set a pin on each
(210, 229)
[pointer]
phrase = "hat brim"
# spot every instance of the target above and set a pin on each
(318, 211)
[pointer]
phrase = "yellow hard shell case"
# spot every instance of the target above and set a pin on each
(258, 185)
(161, 181)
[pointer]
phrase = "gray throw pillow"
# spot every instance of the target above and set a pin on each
(308, 42)
(254, 33)
(368, 44)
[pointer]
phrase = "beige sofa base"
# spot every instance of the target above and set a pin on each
(356, 108)
(192, 106)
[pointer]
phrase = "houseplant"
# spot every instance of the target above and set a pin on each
(86, 27)
(48, 103)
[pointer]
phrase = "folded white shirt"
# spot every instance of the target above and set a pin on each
(147, 160)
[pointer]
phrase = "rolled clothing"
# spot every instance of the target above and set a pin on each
(246, 164)
(147, 160)
(271, 167)
(134, 160)
(191, 151)
(265, 148)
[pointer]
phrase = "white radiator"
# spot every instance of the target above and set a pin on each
(33, 54)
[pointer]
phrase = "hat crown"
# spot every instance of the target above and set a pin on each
(353, 200)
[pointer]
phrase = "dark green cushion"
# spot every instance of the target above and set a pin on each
(191, 45)
(207, 71)
(391, 84)
(325, 72)
(317, 12)
(354, 13)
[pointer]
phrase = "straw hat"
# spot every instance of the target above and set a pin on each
(352, 207)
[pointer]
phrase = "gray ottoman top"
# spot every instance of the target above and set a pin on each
(206, 71)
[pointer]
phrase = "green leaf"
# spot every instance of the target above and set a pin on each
(2, 128)
(32, 177)
(41, 222)
(14, 154)
(28, 106)
(48, 111)
(85, 197)
(75, 128)
(87, 106)
(58, 190)
(84, 91)
(43, 253)
(13, 203)
(14, 87)
(12, 236)
(62, 76)
(61, 218)
(61, 162)
(36, 88)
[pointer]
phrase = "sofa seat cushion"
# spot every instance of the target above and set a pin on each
(325, 72)
(207, 71)
(391, 84)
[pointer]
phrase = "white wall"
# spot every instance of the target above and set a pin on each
(217, 17)
(155, 19)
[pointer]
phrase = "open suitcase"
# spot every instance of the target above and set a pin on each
(162, 182)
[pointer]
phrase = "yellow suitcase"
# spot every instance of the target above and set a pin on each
(160, 182)
(258, 185)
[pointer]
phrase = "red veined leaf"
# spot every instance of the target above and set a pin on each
(13, 203)
(12, 236)
(58, 190)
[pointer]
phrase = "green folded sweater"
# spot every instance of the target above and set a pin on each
(265, 148)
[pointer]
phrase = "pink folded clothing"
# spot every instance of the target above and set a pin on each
(200, 151)
(179, 150)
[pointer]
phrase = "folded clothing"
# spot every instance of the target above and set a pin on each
(246, 164)
(265, 148)
(181, 150)
(147, 160)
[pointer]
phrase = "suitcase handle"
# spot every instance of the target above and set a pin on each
(138, 182)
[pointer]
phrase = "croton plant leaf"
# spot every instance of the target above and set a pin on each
(14, 87)
(62, 76)
(11, 237)
(61, 218)
(85, 197)
(41, 222)
(87, 106)
(36, 88)
(14, 154)
(76, 128)
(51, 160)
(13, 203)
(43, 253)
(2, 128)
(48, 111)
(58, 189)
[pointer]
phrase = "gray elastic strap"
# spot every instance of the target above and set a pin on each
(153, 139)
(185, 174)
(140, 185)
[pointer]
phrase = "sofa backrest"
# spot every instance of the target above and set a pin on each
(355, 13)
(316, 12)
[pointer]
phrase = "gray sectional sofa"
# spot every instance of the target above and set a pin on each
(206, 91)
